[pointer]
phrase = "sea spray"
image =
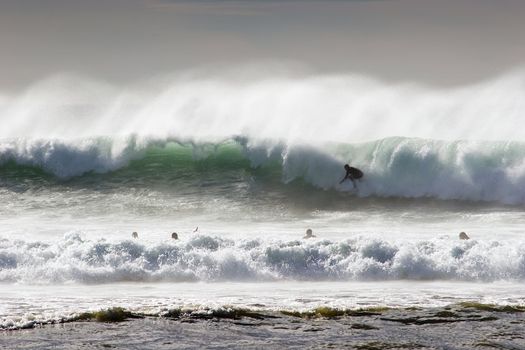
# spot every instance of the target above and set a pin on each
(305, 109)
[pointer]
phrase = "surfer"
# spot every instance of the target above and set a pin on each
(352, 174)
(135, 235)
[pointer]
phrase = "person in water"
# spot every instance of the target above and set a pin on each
(352, 174)
(309, 234)
(463, 235)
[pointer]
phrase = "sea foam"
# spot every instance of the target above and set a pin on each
(214, 259)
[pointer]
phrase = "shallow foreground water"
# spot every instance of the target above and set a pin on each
(465, 326)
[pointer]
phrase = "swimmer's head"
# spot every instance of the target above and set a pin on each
(463, 235)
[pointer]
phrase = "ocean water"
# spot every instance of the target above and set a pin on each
(240, 167)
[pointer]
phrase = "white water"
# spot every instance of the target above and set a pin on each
(72, 239)
(208, 258)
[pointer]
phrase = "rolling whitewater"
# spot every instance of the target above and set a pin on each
(239, 167)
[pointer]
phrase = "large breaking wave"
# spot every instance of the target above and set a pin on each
(411, 141)
(212, 258)
(394, 167)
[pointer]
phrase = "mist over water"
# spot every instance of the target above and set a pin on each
(306, 109)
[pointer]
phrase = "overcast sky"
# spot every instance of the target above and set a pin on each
(438, 42)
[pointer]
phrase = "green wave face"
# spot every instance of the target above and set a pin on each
(155, 163)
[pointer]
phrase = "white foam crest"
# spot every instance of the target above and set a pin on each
(307, 109)
(213, 259)
(66, 158)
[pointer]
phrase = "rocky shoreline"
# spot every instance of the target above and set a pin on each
(461, 326)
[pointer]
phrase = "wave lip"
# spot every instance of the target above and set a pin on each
(215, 259)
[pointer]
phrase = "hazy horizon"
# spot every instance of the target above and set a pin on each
(442, 43)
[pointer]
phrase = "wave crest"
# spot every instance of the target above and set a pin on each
(394, 167)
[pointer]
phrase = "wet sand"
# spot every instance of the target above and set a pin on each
(443, 328)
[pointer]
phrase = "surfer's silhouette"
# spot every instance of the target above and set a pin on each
(352, 174)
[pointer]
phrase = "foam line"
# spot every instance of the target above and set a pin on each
(211, 258)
